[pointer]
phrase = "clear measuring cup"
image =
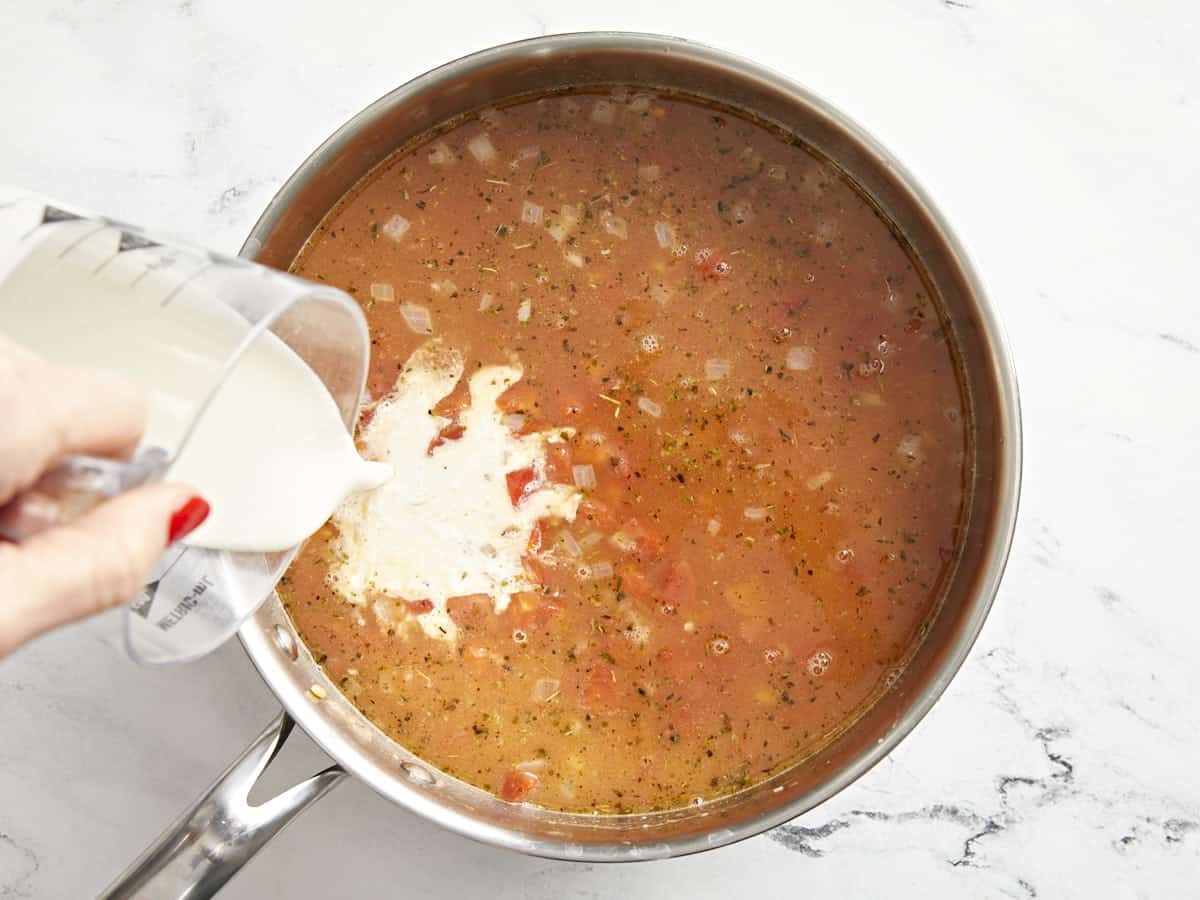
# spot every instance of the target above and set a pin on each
(81, 289)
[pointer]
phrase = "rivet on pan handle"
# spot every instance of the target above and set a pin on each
(218, 834)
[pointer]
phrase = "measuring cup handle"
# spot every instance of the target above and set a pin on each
(218, 834)
(73, 488)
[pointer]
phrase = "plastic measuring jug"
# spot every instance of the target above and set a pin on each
(254, 379)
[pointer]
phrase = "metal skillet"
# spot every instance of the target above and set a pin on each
(221, 831)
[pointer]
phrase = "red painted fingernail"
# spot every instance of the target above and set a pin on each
(187, 519)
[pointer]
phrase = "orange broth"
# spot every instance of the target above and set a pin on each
(752, 364)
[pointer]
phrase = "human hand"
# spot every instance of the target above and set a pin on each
(102, 558)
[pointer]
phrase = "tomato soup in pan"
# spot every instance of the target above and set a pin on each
(678, 439)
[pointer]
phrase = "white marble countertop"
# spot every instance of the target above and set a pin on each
(1063, 140)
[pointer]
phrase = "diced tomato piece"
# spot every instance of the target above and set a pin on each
(558, 464)
(522, 397)
(536, 568)
(600, 689)
(571, 403)
(469, 607)
(519, 483)
(455, 402)
(532, 609)
(596, 514)
(636, 585)
(419, 607)
(536, 536)
(517, 786)
(679, 586)
(618, 462)
(648, 542)
(451, 432)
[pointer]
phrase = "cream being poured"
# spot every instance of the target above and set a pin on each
(444, 525)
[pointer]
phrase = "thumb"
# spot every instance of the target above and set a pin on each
(95, 562)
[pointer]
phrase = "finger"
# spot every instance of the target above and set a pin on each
(51, 411)
(96, 562)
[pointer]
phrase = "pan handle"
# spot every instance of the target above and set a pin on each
(218, 834)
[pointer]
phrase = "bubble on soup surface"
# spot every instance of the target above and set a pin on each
(819, 662)
(718, 646)
(650, 343)
(871, 369)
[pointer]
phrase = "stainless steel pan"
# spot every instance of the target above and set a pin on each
(221, 831)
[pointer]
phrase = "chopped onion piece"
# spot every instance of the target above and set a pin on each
(778, 173)
(614, 225)
(444, 288)
(525, 310)
(649, 407)
(661, 292)
(649, 173)
(574, 259)
(570, 216)
(604, 112)
(742, 212)
(570, 545)
(491, 117)
(531, 213)
(543, 690)
(591, 539)
(755, 513)
(602, 570)
(557, 231)
(623, 542)
(442, 155)
(664, 234)
(819, 480)
(799, 358)
(395, 227)
(640, 102)
(527, 153)
(382, 292)
(417, 318)
(585, 476)
(716, 369)
(909, 446)
(485, 301)
(714, 525)
(481, 148)
(513, 421)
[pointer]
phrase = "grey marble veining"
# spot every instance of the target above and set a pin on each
(1061, 139)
